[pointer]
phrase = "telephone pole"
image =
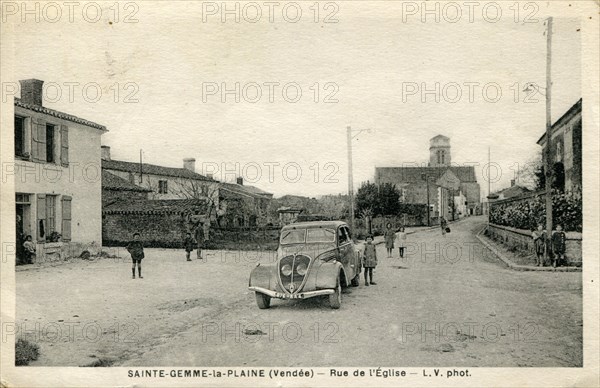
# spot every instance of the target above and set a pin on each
(548, 167)
(350, 179)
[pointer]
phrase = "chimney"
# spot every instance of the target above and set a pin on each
(189, 164)
(31, 91)
(105, 152)
(210, 176)
(240, 180)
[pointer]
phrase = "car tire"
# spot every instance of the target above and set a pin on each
(335, 299)
(355, 282)
(263, 301)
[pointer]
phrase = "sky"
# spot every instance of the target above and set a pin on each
(369, 70)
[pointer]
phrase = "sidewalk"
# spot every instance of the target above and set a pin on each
(518, 267)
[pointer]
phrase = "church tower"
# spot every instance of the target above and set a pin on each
(439, 151)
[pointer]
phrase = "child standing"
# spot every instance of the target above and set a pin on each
(389, 236)
(401, 241)
(369, 260)
(29, 250)
(136, 250)
(559, 245)
(188, 245)
(539, 242)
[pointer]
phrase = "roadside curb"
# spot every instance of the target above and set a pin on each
(518, 267)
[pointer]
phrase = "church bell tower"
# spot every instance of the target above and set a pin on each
(439, 151)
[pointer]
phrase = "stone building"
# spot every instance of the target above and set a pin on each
(57, 172)
(566, 148)
(440, 183)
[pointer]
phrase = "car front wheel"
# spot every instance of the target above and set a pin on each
(335, 299)
(263, 301)
(355, 282)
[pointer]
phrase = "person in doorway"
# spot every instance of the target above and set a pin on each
(539, 243)
(401, 241)
(188, 245)
(136, 250)
(369, 260)
(559, 246)
(443, 225)
(389, 236)
(29, 250)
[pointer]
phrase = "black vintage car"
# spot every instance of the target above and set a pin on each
(314, 258)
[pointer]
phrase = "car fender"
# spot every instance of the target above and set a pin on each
(328, 274)
(263, 276)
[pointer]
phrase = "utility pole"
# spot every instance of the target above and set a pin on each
(350, 179)
(548, 132)
(141, 172)
(428, 206)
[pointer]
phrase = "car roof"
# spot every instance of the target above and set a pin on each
(314, 224)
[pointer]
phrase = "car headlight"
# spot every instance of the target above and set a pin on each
(301, 269)
(286, 270)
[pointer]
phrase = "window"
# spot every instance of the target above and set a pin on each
(162, 187)
(66, 218)
(19, 136)
(50, 214)
(342, 236)
(50, 143)
(22, 199)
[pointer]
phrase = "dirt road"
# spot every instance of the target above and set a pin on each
(448, 303)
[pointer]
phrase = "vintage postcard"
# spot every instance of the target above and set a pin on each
(299, 193)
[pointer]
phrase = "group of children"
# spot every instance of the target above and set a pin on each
(543, 245)
(136, 250)
(369, 259)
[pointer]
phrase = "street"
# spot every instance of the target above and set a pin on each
(448, 303)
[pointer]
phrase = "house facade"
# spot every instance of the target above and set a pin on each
(57, 172)
(566, 150)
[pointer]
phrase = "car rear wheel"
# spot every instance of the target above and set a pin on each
(263, 301)
(335, 299)
(355, 282)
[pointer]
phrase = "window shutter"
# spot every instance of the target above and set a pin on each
(41, 217)
(64, 145)
(38, 146)
(66, 218)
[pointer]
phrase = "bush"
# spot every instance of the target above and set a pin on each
(25, 352)
(530, 212)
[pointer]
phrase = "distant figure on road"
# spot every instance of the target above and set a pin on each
(559, 245)
(401, 241)
(188, 245)
(201, 237)
(136, 250)
(443, 225)
(369, 260)
(539, 242)
(390, 236)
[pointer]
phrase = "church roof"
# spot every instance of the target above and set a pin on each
(413, 174)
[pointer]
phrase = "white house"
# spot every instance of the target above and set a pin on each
(57, 171)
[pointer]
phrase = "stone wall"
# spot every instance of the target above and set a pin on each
(520, 240)
(156, 230)
(168, 231)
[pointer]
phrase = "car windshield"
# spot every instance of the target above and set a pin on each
(311, 235)
(294, 236)
(320, 235)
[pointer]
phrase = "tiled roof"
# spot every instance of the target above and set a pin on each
(119, 165)
(157, 206)
(513, 191)
(60, 115)
(113, 182)
(236, 190)
(413, 174)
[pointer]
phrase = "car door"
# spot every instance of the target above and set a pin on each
(345, 250)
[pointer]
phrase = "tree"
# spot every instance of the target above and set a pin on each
(373, 200)
(389, 199)
(367, 199)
